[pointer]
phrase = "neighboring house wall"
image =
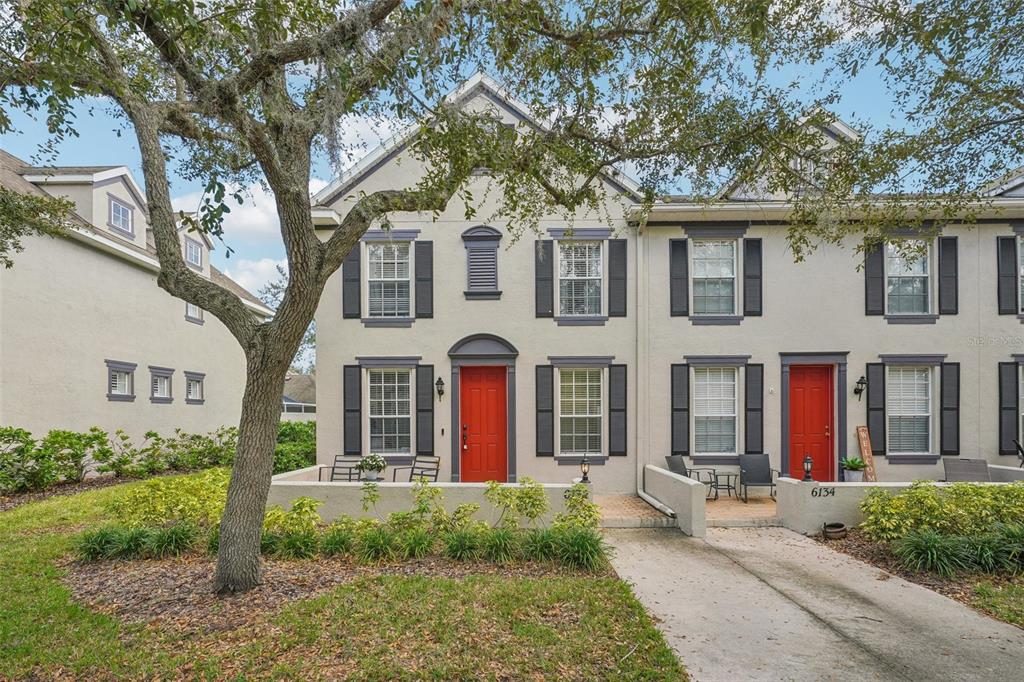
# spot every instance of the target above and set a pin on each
(66, 308)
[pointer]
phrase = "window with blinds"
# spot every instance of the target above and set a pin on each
(579, 409)
(908, 409)
(579, 278)
(193, 312)
(907, 278)
(714, 410)
(194, 389)
(388, 279)
(120, 382)
(714, 277)
(390, 410)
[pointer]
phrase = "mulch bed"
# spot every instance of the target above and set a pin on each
(8, 502)
(860, 546)
(176, 592)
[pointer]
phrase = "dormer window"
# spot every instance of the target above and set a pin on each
(194, 253)
(120, 217)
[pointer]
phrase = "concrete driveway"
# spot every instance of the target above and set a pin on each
(769, 604)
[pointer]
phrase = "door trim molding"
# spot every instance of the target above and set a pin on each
(837, 360)
(483, 350)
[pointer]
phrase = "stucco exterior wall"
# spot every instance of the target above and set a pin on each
(684, 496)
(65, 308)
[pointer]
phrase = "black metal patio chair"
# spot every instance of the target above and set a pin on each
(705, 475)
(757, 472)
(422, 466)
(344, 469)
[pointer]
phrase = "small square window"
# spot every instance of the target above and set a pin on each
(121, 216)
(160, 384)
(195, 389)
(120, 381)
(193, 313)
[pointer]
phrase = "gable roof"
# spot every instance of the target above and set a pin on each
(86, 174)
(15, 174)
(300, 388)
(478, 84)
(1011, 183)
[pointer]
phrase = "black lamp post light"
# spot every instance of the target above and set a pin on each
(585, 469)
(808, 463)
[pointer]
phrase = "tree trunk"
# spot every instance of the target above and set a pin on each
(238, 558)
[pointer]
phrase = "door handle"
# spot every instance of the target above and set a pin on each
(465, 436)
(828, 431)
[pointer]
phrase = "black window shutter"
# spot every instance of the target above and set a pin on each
(617, 278)
(425, 409)
(876, 406)
(544, 278)
(545, 405)
(753, 418)
(617, 410)
(679, 285)
(1008, 396)
(424, 278)
(752, 282)
(874, 283)
(948, 274)
(949, 416)
(351, 298)
(1007, 267)
(680, 409)
(352, 392)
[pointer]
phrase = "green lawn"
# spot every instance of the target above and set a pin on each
(377, 627)
(1003, 601)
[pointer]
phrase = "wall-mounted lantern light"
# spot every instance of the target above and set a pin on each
(808, 463)
(585, 469)
(859, 387)
(439, 385)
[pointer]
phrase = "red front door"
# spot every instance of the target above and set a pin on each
(484, 424)
(810, 421)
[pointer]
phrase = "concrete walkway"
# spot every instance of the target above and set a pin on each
(769, 604)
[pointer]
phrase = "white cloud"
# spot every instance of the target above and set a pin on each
(254, 274)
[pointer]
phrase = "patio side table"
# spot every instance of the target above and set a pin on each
(724, 481)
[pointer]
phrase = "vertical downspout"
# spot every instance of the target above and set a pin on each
(642, 397)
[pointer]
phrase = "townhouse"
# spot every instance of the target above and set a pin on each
(87, 338)
(691, 331)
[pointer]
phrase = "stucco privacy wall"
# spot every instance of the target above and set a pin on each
(684, 496)
(817, 306)
(346, 498)
(1004, 474)
(512, 317)
(65, 308)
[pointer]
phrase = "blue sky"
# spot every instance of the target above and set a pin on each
(251, 229)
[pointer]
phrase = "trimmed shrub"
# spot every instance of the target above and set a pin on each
(956, 509)
(540, 544)
(416, 542)
(72, 452)
(461, 544)
(580, 547)
(928, 550)
(580, 511)
(296, 446)
(377, 544)
(500, 545)
(198, 499)
(338, 540)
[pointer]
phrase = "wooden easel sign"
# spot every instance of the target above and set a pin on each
(864, 438)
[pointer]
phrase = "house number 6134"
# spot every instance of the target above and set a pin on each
(823, 492)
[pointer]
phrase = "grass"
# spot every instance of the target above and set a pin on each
(1004, 601)
(380, 627)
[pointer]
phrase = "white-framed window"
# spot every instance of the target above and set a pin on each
(193, 312)
(390, 411)
(579, 278)
(388, 279)
(908, 278)
(121, 216)
(908, 408)
(161, 386)
(194, 388)
(580, 409)
(120, 382)
(715, 401)
(714, 276)
(193, 253)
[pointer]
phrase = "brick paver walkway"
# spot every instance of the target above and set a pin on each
(629, 511)
(729, 511)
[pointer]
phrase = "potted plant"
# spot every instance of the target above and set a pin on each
(854, 469)
(370, 466)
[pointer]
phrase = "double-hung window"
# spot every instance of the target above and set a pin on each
(580, 410)
(390, 411)
(121, 216)
(714, 277)
(195, 390)
(908, 397)
(160, 384)
(714, 410)
(579, 278)
(193, 253)
(389, 279)
(907, 273)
